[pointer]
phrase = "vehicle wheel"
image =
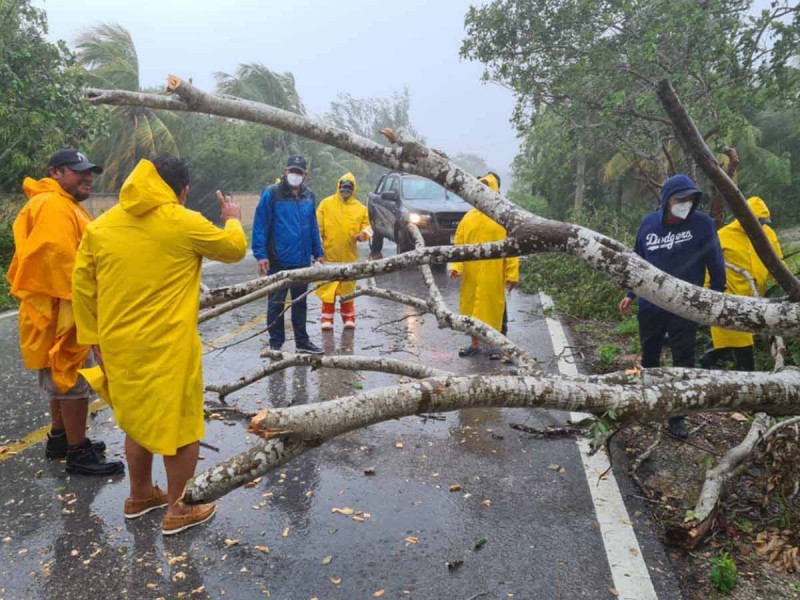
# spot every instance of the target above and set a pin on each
(376, 244)
(404, 242)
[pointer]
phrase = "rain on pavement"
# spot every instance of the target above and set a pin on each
(65, 537)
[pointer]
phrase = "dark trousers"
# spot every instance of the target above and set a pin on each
(745, 361)
(504, 326)
(655, 327)
(275, 305)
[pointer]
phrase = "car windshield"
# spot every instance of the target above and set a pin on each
(422, 189)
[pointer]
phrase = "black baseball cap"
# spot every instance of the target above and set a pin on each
(296, 162)
(77, 161)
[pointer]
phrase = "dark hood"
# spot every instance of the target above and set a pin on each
(678, 184)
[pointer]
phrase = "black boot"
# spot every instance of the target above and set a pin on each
(677, 427)
(56, 446)
(83, 459)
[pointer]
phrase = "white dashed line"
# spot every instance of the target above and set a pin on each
(628, 569)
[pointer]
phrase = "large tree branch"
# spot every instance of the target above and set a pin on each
(689, 135)
(534, 233)
(650, 394)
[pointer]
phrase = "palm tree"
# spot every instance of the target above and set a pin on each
(256, 82)
(108, 54)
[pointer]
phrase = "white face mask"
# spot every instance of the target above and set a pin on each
(681, 210)
(294, 180)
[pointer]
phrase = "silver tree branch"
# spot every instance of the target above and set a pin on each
(538, 234)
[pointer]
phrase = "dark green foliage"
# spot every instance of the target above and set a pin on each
(40, 90)
(723, 573)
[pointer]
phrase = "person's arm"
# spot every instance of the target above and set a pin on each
(365, 228)
(321, 219)
(457, 268)
(262, 223)
(227, 245)
(84, 293)
(316, 242)
(715, 260)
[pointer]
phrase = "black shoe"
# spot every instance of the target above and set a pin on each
(56, 446)
(677, 427)
(84, 460)
(307, 348)
(275, 347)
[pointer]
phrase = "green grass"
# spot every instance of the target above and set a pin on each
(723, 573)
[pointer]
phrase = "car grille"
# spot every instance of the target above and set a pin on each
(449, 220)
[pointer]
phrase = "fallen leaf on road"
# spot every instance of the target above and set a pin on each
(378, 594)
(244, 570)
(343, 511)
(480, 543)
(454, 564)
(199, 590)
(358, 519)
(455, 487)
(412, 540)
(151, 586)
(614, 592)
(336, 580)
(553, 467)
(398, 445)
(231, 542)
(179, 576)
(562, 470)
(327, 560)
(487, 503)
(737, 416)
(263, 549)
(286, 532)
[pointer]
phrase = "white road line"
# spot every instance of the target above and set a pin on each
(6, 315)
(628, 569)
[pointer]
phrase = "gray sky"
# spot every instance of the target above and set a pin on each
(362, 47)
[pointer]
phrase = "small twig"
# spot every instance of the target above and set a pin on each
(209, 446)
(547, 432)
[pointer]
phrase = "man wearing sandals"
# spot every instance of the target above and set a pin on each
(484, 282)
(136, 295)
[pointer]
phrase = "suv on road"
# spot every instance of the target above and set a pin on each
(400, 198)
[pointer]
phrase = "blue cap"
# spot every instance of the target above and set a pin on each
(296, 162)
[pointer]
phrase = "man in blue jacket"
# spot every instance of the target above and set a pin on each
(683, 242)
(286, 236)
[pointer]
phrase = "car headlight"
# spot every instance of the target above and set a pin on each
(416, 218)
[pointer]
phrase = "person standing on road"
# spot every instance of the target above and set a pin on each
(484, 282)
(343, 221)
(739, 252)
(286, 237)
(136, 295)
(683, 242)
(47, 233)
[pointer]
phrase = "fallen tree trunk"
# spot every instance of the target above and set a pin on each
(534, 233)
(649, 394)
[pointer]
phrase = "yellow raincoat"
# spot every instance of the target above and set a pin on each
(136, 294)
(339, 222)
(483, 294)
(47, 233)
(738, 251)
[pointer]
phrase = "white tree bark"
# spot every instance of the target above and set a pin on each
(534, 233)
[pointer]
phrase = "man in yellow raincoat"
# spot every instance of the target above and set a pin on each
(47, 232)
(136, 289)
(484, 282)
(739, 252)
(343, 221)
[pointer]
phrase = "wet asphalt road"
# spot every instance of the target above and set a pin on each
(66, 538)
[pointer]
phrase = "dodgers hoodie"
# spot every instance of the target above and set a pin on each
(684, 249)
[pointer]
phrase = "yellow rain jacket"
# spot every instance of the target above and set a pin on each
(136, 291)
(340, 221)
(738, 251)
(483, 293)
(47, 233)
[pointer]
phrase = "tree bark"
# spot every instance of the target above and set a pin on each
(692, 140)
(650, 394)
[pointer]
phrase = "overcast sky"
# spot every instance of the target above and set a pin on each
(366, 48)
